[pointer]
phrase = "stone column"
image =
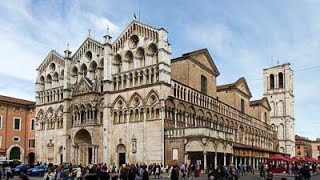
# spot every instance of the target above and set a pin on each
(175, 119)
(215, 160)
(186, 119)
(205, 161)
(185, 157)
(133, 79)
(236, 162)
(93, 153)
(150, 76)
(254, 163)
(232, 159)
(224, 159)
(139, 77)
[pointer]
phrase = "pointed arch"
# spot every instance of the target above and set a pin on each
(93, 66)
(150, 94)
(181, 107)
(133, 96)
(60, 109)
(50, 110)
(117, 99)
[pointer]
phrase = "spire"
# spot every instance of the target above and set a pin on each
(107, 37)
(67, 52)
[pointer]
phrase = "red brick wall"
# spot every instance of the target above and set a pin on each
(171, 144)
(8, 112)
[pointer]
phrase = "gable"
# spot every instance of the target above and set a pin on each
(53, 56)
(89, 44)
(203, 59)
(265, 103)
(135, 28)
(242, 85)
(82, 87)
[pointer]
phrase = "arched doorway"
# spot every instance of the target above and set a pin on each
(121, 149)
(15, 153)
(83, 147)
(31, 158)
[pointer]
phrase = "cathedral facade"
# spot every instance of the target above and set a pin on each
(128, 101)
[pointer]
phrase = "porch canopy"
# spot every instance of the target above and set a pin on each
(278, 157)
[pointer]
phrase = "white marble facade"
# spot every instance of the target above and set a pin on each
(105, 102)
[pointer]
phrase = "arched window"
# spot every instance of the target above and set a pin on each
(271, 81)
(49, 78)
(129, 58)
(280, 80)
(265, 117)
(153, 52)
(140, 55)
(117, 62)
(74, 71)
(84, 69)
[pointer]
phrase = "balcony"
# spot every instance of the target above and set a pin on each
(83, 123)
(198, 132)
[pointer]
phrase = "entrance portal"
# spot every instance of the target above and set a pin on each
(15, 153)
(31, 158)
(83, 149)
(122, 158)
(121, 149)
(90, 155)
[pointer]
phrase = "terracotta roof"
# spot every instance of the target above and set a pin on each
(260, 102)
(234, 85)
(13, 100)
(199, 51)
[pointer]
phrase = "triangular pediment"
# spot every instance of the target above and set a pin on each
(53, 56)
(136, 28)
(242, 85)
(265, 103)
(203, 59)
(88, 45)
(84, 86)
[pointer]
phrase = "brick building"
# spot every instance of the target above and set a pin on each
(316, 148)
(303, 147)
(17, 123)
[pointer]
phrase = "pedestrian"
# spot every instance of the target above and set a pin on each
(145, 174)
(175, 173)
(197, 172)
(49, 175)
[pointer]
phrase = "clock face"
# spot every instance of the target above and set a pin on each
(133, 42)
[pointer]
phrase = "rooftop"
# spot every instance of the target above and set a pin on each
(13, 100)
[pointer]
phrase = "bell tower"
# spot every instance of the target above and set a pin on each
(278, 88)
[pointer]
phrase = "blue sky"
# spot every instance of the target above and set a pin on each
(243, 38)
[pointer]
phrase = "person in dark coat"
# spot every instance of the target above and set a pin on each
(145, 174)
(174, 173)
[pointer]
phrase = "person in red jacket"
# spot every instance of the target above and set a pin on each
(197, 173)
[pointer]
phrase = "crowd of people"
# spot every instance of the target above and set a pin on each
(158, 171)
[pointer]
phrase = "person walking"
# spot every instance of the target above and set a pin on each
(174, 173)
(49, 175)
(145, 174)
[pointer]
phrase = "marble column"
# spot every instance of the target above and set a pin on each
(224, 159)
(175, 119)
(215, 160)
(205, 161)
